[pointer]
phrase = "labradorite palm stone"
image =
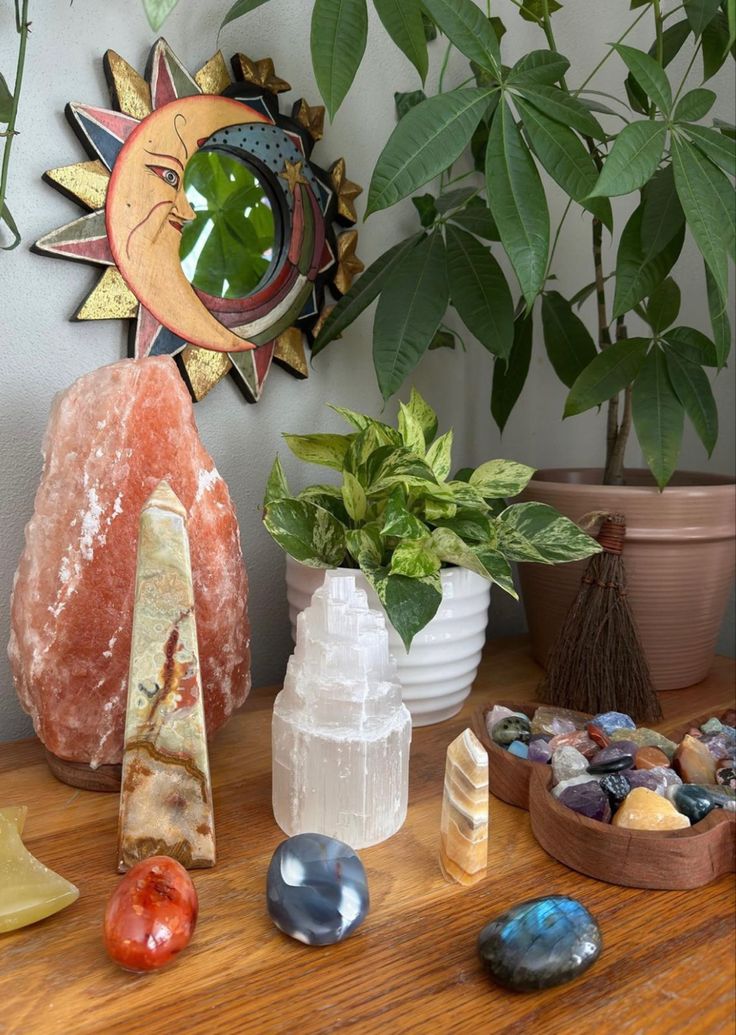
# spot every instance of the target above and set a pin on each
(540, 943)
(316, 889)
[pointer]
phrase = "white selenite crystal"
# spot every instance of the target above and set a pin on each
(340, 731)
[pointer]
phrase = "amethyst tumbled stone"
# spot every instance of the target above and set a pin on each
(588, 800)
(611, 760)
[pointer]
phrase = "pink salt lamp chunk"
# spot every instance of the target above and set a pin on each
(112, 437)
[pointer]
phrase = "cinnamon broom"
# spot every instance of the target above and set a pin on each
(598, 664)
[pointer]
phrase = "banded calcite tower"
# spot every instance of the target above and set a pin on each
(166, 796)
(464, 823)
(341, 733)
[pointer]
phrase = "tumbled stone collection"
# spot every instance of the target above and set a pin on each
(608, 769)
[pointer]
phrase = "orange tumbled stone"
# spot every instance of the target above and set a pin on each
(111, 438)
(693, 761)
(650, 757)
(151, 915)
(643, 809)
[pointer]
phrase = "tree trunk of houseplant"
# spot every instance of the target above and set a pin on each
(680, 563)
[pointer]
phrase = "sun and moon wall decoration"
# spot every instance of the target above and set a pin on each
(218, 234)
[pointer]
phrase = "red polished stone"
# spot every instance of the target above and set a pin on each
(596, 733)
(151, 915)
(578, 739)
(112, 436)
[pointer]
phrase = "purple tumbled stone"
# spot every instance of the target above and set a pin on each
(558, 726)
(589, 800)
(657, 779)
(720, 745)
(539, 750)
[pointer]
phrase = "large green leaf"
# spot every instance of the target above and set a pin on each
(692, 345)
(402, 20)
(673, 39)
(715, 146)
(425, 142)
(308, 533)
(648, 74)
(707, 200)
(658, 417)
(565, 158)
(539, 66)
(608, 374)
(662, 216)
(415, 558)
(365, 289)
(700, 13)
(411, 431)
(276, 486)
(638, 269)
(517, 202)
(451, 549)
(338, 38)
(410, 603)
(409, 312)
(353, 496)
(451, 200)
(563, 108)
(364, 544)
(509, 375)
(467, 27)
(693, 389)
(718, 310)
(663, 305)
(157, 11)
(239, 9)
(398, 520)
(694, 105)
(476, 217)
(568, 341)
(424, 414)
(329, 497)
(319, 448)
(536, 532)
(535, 10)
(498, 479)
(439, 456)
(479, 291)
(633, 159)
(716, 45)
(361, 421)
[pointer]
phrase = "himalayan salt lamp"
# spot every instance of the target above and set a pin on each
(29, 891)
(464, 822)
(111, 438)
(166, 794)
(151, 915)
(340, 732)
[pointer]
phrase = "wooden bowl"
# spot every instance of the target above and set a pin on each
(667, 860)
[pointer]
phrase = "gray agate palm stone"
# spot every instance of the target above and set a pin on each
(316, 890)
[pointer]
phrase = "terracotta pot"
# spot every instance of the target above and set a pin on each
(680, 562)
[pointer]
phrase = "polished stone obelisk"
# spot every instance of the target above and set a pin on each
(464, 822)
(166, 795)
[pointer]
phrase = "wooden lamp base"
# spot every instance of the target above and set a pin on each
(80, 774)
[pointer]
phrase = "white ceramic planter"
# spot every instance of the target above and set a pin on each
(438, 672)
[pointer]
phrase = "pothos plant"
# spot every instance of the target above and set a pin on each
(512, 122)
(399, 516)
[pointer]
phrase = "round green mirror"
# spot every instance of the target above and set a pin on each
(228, 247)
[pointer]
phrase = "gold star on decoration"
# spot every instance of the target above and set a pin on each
(313, 119)
(86, 182)
(289, 352)
(213, 77)
(204, 369)
(320, 322)
(110, 299)
(131, 93)
(292, 174)
(260, 73)
(346, 191)
(348, 263)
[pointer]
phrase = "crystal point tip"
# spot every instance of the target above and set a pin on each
(163, 497)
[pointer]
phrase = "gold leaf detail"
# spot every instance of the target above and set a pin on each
(204, 369)
(130, 91)
(213, 77)
(86, 181)
(260, 73)
(346, 191)
(111, 299)
(289, 352)
(348, 263)
(312, 118)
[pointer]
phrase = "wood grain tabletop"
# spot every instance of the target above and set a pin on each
(667, 964)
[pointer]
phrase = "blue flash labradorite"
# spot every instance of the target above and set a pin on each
(316, 889)
(540, 943)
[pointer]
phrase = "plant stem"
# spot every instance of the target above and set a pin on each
(687, 72)
(443, 69)
(557, 236)
(614, 473)
(21, 19)
(610, 51)
(660, 47)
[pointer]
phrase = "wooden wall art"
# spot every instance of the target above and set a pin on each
(218, 234)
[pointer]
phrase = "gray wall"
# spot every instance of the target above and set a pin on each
(43, 352)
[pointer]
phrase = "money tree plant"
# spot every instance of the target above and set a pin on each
(400, 517)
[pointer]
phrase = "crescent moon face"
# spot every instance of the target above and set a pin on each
(147, 210)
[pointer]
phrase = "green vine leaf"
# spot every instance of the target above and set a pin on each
(633, 159)
(157, 11)
(607, 375)
(649, 75)
(338, 39)
(694, 105)
(239, 9)
(479, 291)
(539, 66)
(306, 532)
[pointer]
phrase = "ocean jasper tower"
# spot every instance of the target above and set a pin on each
(112, 437)
(341, 734)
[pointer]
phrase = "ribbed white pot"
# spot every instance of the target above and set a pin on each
(437, 673)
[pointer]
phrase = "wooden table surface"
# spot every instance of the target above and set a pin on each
(667, 963)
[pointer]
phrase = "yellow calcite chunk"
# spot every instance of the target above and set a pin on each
(643, 809)
(29, 891)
